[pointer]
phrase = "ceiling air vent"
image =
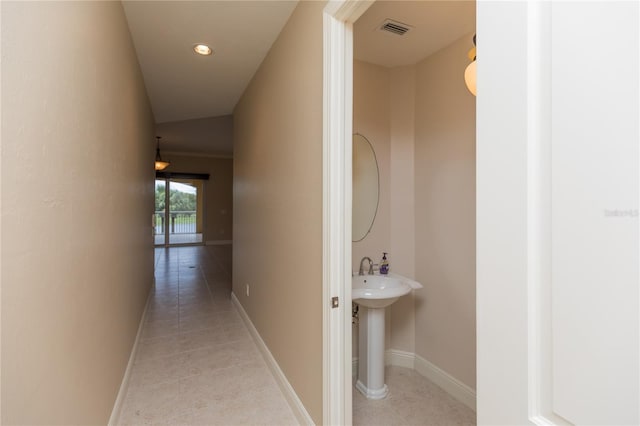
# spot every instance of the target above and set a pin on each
(394, 27)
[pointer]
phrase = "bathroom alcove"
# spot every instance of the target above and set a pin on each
(420, 119)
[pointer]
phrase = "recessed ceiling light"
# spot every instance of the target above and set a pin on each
(202, 49)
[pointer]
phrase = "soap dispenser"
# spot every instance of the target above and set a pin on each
(384, 264)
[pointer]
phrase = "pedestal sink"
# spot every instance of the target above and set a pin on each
(374, 293)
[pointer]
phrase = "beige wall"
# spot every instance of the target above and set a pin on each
(402, 81)
(77, 198)
(218, 200)
(277, 211)
(387, 121)
(371, 119)
(209, 135)
(422, 122)
(445, 213)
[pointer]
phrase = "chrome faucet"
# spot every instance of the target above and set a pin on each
(361, 270)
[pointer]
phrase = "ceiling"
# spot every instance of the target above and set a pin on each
(183, 85)
(435, 24)
(192, 96)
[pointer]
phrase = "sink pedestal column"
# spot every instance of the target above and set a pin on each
(371, 353)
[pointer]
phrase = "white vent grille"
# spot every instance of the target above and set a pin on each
(394, 27)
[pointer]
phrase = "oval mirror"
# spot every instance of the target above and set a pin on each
(365, 187)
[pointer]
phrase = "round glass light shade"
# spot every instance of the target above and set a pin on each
(472, 54)
(470, 77)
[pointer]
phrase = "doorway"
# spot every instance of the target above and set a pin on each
(178, 217)
(550, 229)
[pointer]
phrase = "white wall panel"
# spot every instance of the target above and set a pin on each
(595, 211)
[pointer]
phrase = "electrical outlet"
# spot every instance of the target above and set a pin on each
(247, 290)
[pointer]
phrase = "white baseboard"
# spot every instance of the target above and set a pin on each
(218, 242)
(122, 392)
(400, 358)
(447, 382)
(391, 357)
(453, 386)
(290, 394)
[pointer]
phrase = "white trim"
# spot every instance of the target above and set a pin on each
(219, 242)
(450, 384)
(1, 233)
(336, 400)
(538, 239)
(347, 10)
(400, 358)
(114, 419)
(289, 393)
(338, 17)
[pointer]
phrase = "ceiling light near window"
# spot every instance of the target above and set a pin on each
(202, 49)
(160, 165)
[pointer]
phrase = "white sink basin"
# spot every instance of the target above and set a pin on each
(380, 291)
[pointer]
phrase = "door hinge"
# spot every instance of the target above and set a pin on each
(335, 302)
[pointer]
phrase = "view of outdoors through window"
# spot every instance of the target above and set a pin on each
(180, 218)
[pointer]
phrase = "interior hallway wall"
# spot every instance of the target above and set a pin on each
(277, 196)
(218, 190)
(445, 213)
(77, 203)
(185, 136)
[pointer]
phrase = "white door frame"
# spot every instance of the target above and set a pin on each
(336, 278)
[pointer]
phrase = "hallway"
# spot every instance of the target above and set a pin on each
(196, 362)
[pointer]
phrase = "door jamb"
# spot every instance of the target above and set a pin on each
(338, 18)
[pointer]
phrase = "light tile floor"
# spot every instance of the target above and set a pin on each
(197, 364)
(412, 400)
(179, 239)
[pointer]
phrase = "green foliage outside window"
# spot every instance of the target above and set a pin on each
(179, 201)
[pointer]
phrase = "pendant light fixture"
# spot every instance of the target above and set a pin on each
(470, 72)
(160, 165)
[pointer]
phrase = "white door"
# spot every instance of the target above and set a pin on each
(557, 214)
